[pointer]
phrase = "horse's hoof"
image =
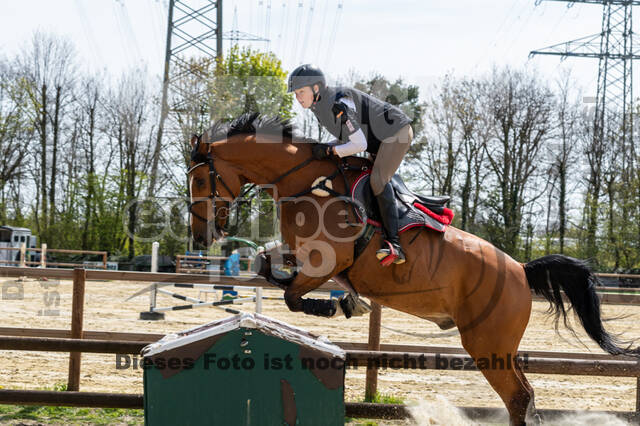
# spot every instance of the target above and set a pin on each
(353, 307)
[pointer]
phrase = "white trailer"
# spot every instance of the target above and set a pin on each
(11, 236)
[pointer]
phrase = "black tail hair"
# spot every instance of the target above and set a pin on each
(550, 274)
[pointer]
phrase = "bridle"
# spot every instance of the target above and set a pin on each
(208, 160)
(202, 160)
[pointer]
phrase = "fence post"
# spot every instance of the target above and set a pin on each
(154, 256)
(23, 255)
(104, 260)
(77, 315)
(154, 268)
(258, 300)
(43, 256)
(637, 395)
(371, 383)
(151, 314)
(152, 297)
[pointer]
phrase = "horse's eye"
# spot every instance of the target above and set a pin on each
(200, 183)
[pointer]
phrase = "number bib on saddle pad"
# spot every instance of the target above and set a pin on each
(413, 210)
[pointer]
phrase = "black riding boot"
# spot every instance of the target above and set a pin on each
(390, 252)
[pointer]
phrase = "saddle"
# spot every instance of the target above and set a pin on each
(414, 210)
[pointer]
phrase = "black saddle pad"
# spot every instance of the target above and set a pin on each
(414, 210)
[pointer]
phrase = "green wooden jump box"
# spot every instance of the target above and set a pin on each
(244, 370)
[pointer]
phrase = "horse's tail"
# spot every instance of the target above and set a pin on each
(550, 274)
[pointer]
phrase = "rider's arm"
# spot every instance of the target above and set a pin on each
(357, 140)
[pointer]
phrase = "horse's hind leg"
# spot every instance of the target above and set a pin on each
(531, 415)
(497, 364)
(493, 342)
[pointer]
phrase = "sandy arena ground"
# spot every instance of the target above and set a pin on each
(106, 310)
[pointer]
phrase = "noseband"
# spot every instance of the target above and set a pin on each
(207, 160)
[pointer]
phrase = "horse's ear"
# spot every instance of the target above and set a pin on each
(194, 140)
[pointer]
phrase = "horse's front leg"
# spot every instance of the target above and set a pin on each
(320, 262)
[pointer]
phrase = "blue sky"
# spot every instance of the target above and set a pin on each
(417, 40)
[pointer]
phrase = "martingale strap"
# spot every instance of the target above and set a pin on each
(362, 242)
(340, 168)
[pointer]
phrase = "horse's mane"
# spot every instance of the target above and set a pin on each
(253, 123)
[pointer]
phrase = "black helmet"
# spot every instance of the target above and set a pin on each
(306, 75)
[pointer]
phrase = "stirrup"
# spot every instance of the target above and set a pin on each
(390, 254)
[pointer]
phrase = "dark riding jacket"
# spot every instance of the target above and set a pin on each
(377, 119)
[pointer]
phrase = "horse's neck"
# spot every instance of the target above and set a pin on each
(265, 161)
(264, 164)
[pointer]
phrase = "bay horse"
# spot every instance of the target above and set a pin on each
(452, 278)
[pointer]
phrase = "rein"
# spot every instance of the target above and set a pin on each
(213, 175)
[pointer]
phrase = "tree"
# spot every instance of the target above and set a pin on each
(444, 139)
(562, 151)
(246, 80)
(243, 81)
(15, 131)
(47, 69)
(129, 111)
(475, 128)
(398, 93)
(521, 108)
(88, 118)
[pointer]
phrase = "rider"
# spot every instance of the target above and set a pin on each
(361, 123)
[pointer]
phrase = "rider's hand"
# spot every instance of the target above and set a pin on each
(321, 151)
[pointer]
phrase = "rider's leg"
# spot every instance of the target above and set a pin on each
(390, 155)
(391, 251)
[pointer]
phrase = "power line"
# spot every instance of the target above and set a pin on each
(522, 27)
(129, 29)
(308, 29)
(157, 19)
(336, 22)
(259, 21)
(285, 29)
(324, 18)
(235, 35)
(123, 38)
(282, 24)
(297, 36)
(88, 31)
(614, 49)
(493, 42)
(268, 24)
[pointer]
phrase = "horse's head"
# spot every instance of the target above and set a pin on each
(213, 186)
(251, 148)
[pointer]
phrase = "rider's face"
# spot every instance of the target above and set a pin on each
(304, 95)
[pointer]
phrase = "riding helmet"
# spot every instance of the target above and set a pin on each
(306, 75)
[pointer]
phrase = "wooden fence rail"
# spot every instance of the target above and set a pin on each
(352, 409)
(76, 340)
(22, 261)
(362, 358)
(199, 263)
(394, 360)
